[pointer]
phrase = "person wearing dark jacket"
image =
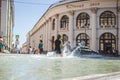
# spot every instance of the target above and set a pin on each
(57, 45)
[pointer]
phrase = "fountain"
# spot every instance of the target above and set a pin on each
(80, 51)
(51, 54)
(39, 67)
(67, 49)
(52, 67)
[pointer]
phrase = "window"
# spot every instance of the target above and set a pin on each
(64, 22)
(83, 37)
(83, 20)
(107, 19)
(107, 43)
(53, 24)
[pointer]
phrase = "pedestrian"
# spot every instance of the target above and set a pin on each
(1, 46)
(20, 50)
(114, 52)
(30, 50)
(40, 46)
(57, 45)
(33, 51)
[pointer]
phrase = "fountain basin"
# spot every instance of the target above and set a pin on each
(41, 67)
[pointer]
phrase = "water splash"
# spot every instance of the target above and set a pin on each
(67, 49)
(51, 54)
(78, 51)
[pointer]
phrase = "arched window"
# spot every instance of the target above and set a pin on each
(107, 19)
(107, 43)
(83, 20)
(83, 37)
(64, 22)
(53, 24)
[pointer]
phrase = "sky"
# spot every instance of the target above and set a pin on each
(26, 15)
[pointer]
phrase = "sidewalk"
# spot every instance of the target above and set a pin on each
(109, 76)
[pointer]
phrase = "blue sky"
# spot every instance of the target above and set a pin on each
(27, 13)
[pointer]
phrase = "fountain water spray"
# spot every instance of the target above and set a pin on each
(80, 51)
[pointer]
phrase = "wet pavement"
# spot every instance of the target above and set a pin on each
(41, 67)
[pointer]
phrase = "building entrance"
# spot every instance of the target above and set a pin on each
(108, 48)
(107, 43)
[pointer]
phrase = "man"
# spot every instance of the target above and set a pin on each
(1, 46)
(57, 45)
(40, 46)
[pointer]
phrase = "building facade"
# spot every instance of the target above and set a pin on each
(97, 22)
(7, 22)
(24, 48)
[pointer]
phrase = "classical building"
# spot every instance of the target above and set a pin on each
(7, 21)
(97, 22)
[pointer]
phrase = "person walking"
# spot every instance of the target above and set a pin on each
(30, 48)
(57, 45)
(40, 46)
(1, 46)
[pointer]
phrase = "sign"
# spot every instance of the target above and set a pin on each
(17, 36)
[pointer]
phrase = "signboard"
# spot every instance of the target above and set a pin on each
(17, 36)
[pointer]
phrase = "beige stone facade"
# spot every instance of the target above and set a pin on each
(24, 48)
(7, 22)
(97, 22)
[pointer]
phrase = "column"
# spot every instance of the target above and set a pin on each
(56, 25)
(47, 26)
(0, 17)
(44, 36)
(118, 30)
(71, 26)
(49, 34)
(94, 27)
